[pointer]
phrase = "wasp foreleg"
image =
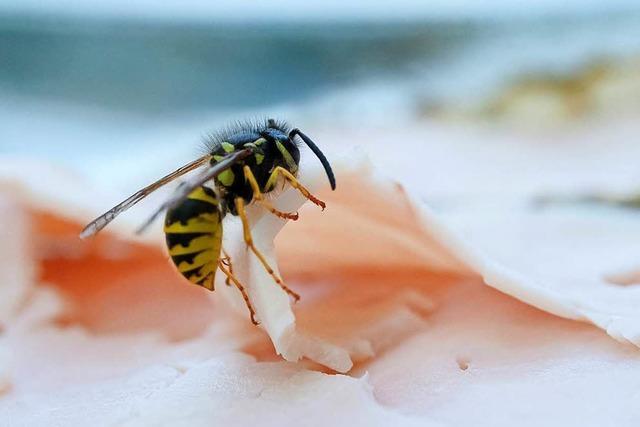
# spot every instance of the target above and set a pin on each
(259, 197)
(279, 170)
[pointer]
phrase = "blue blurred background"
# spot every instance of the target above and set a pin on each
(92, 78)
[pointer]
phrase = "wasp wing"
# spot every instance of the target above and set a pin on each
(103, 220)
(184, 190)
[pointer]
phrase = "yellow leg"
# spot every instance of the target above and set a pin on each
(259, 197)
(279, 170)
(249, 241)
(241, 288)
(226, 260)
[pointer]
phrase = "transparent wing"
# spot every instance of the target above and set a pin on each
(184, 190)
(103, 220)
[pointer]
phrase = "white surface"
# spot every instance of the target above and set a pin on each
(525, 366)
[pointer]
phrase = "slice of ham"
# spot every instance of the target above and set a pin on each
(387, 288)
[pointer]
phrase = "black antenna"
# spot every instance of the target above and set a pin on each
(318, 153)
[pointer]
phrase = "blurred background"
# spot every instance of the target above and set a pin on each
(85, 84)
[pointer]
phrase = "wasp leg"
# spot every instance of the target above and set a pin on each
(239, 201)
(259, 197)
(279, 170)
(242, 290)
(227, 262)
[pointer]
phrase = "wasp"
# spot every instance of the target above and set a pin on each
(243, 164)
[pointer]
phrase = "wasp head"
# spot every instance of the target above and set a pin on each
(285, 148)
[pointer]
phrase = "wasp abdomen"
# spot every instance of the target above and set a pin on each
(194, 236)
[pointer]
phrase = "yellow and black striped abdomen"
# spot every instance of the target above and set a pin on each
(194, 236)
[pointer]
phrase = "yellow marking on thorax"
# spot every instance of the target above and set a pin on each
(226, 178)
(228, 147)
